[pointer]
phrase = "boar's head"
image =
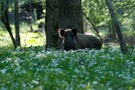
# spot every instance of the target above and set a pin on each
(68, 36)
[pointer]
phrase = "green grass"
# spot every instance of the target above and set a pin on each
(34, 68)
(27, 38)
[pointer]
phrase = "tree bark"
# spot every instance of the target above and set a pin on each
(117, 27)
(70, 14)
(51, 23)
(17, 23)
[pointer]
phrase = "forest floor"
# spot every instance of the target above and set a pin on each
(34, 68)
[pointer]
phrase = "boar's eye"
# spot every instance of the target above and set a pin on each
(66, 35)
(69, 35)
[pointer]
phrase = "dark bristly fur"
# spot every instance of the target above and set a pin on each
(73, 40)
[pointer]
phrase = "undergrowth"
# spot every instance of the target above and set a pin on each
(34, 68)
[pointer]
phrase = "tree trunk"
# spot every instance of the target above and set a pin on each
(70, 14)
(117, 27)
(17, 23)
(5, 20)
(51, 23)
(112, 31)
(30, 18)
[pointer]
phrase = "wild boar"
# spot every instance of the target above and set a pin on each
(73, 40)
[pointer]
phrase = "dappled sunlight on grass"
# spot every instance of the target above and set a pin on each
(5, 39)
(33, 39)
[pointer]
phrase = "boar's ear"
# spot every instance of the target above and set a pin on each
(61, 32)
(74, 30)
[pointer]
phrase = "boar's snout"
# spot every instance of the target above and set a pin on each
(69, 44)
(69, 39)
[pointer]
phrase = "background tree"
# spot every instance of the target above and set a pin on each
(16, 16)
(4, 18)
(117, 27)
(10, 15)
(99, 15)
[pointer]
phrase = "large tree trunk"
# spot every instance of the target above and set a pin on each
(51, 23)
(17, 23)
(70, 14)
(61, 14)
(117, 27)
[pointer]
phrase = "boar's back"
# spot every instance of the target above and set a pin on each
(87, 41)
